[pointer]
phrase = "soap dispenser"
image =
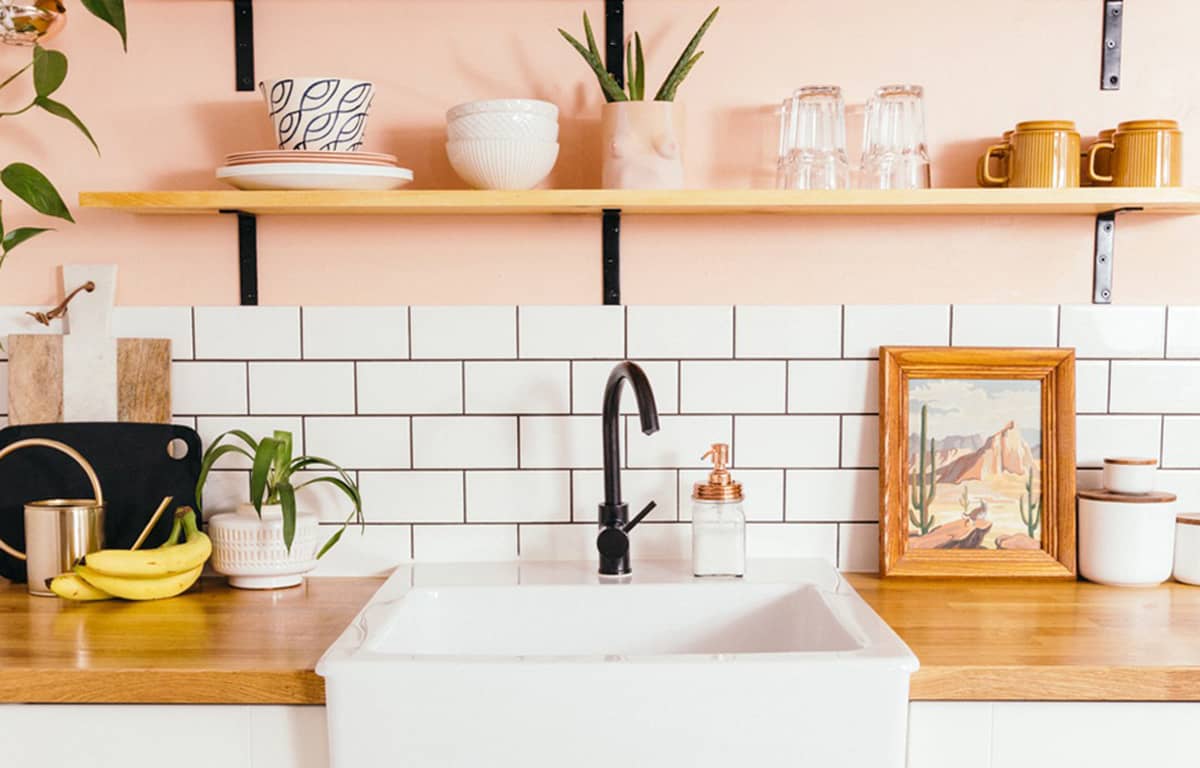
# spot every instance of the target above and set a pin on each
(718, 521)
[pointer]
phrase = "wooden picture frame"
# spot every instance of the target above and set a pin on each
(921, 546)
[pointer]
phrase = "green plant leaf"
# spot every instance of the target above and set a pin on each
(28, 183)
(211, 456)
(347, 488)
(334, 539)
(287, 503)
(16, 74)
(264, 458)
(112, 13)
(685, 62)
(608, 84)
(283, 455)
(58, 109)
(19, 235)
(632, 76)
(641, 67)
(49, 70)
(591, 38)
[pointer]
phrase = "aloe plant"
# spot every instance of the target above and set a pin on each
(923, 492)
(272, 468)
(49, 72)
(635, 64)
(1031, 512)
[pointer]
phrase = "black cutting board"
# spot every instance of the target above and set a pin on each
(135, 467)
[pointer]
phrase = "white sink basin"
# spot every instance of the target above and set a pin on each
(537, 665)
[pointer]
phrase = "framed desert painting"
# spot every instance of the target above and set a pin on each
(977, 462)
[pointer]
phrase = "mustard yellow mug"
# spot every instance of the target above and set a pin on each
(1140, 153)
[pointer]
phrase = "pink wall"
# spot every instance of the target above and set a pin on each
(167, 112)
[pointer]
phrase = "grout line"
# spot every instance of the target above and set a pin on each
(517, 332)
(1058, 318)
(1162, 440)
(1108, 394)
(733, 309)
(1166, 329)
(193, 329)
(300, 317)
(464, 496)
(409, 344)
(356, 412)
(462, 394)
(842, 352)
(412, 445)
(625, 330)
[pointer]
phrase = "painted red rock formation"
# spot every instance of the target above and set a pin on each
(1005, 451)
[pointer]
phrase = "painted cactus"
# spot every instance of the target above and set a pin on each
(964, 501)
(1031, 511)
(923, 484)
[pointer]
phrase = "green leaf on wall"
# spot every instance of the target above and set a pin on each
(19, 235)
(28, 183)
(112, 13)
(49, 71)
(58, 109)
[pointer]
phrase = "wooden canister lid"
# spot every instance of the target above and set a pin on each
(1157, 497)
(1188, 519)
(1131, 461)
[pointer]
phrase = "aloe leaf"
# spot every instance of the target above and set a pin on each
(612, 91)
(112, 13)
(49, 70)
(631, 78)
(641, 67)
(264, 457)
(211, 456)
(671, 86)
(21, 234)
(28, 183)
(591, 38)
(681, 68)
(287, 503)
(58, 109)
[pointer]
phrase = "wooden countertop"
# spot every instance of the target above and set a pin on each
(987, 641)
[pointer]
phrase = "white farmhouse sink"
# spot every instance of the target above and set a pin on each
(539, 665)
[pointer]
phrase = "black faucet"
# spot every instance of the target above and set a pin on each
(615, 525)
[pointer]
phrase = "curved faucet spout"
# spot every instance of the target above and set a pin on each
(647, 411)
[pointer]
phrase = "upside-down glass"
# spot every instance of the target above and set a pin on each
(894, 151)
(813, 140)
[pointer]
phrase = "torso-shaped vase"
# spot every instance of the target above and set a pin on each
(643, 146)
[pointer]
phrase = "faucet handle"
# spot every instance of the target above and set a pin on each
(640, 516)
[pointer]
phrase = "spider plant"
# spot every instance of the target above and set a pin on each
(635, 62)
(272, 469)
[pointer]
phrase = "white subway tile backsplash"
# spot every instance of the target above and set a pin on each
(762, 488)
(558, 542)
(519, 497)
(661, 541)
(302, 388)
(785, 441)
(360, 442)
(842, 495)
(247, 333)
(672, 332)
(518, 387)
(412, 497)
(16, 319)
(224, 490)
(211, 427)
(323, 499)
(680, 441)
(1113, 331)
(732, 386)
(1181, 441)
(589, 377)
(869, 327)
(355, 333)
(638, 488)
(1183, 483)
(425, 387)
(373, 551)
(574, 332)
(767, 540)
(1100, 436)
(782, 331)
(464, 543)
(464, 442)
(860, 441)
(1013, 325)
(1091, 386)
(174, 323)
(204, 388)
(452, 333)
(558, 442)
(833, 386)
(1155, 387)
(858, 547)
(1183, 331)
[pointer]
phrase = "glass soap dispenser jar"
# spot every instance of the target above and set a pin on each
(718, 521)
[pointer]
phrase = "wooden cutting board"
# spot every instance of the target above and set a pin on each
(87, 374)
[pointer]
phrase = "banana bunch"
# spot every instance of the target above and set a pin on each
(148, 574)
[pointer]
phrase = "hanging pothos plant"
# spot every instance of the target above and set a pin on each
(49, 70)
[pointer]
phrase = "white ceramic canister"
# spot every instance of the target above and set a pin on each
(1130, 475)
(1187, 549)
(1126, 541)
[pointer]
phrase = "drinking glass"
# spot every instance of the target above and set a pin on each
(894, 152)
(816, 129)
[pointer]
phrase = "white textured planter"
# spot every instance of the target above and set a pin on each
(251, 551)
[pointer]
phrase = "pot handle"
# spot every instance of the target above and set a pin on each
(62, 448)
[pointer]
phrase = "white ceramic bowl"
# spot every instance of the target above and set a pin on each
(251, 552)
(1187, 549)
(502, 164)
(1126, 541)
(530, 106)
(503, 125)
(1129, 475)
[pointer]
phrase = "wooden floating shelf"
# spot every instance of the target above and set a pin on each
(931, 202)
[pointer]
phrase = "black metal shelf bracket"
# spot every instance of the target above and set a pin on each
(243, 43)
(1102, 264)
(247, 227)
(1110, 54)
(610, 224)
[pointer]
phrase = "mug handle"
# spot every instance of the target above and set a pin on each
(1093, 150)
(62, 448)
(986, 179)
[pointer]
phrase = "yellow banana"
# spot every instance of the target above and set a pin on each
(71, 587)
(154, 588)
(171, 558)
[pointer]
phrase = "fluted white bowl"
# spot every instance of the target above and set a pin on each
(502, 163)
(503, 125)
(529, 106)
